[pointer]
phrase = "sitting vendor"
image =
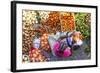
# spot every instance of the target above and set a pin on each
(64, 45)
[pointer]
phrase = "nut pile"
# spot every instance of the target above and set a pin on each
(27, 40)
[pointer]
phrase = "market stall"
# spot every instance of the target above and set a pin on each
(39, 26)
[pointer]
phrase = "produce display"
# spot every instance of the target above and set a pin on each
(35, 55)
(83, 22)
(38, 26)
(27, 40)
(44, 42)
(67, 21)
(53, 21)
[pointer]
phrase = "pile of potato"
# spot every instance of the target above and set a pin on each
(35, 55)
(44, 42)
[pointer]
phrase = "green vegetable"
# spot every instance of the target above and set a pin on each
(83, 24)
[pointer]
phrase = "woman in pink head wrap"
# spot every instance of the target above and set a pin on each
(59, 48)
